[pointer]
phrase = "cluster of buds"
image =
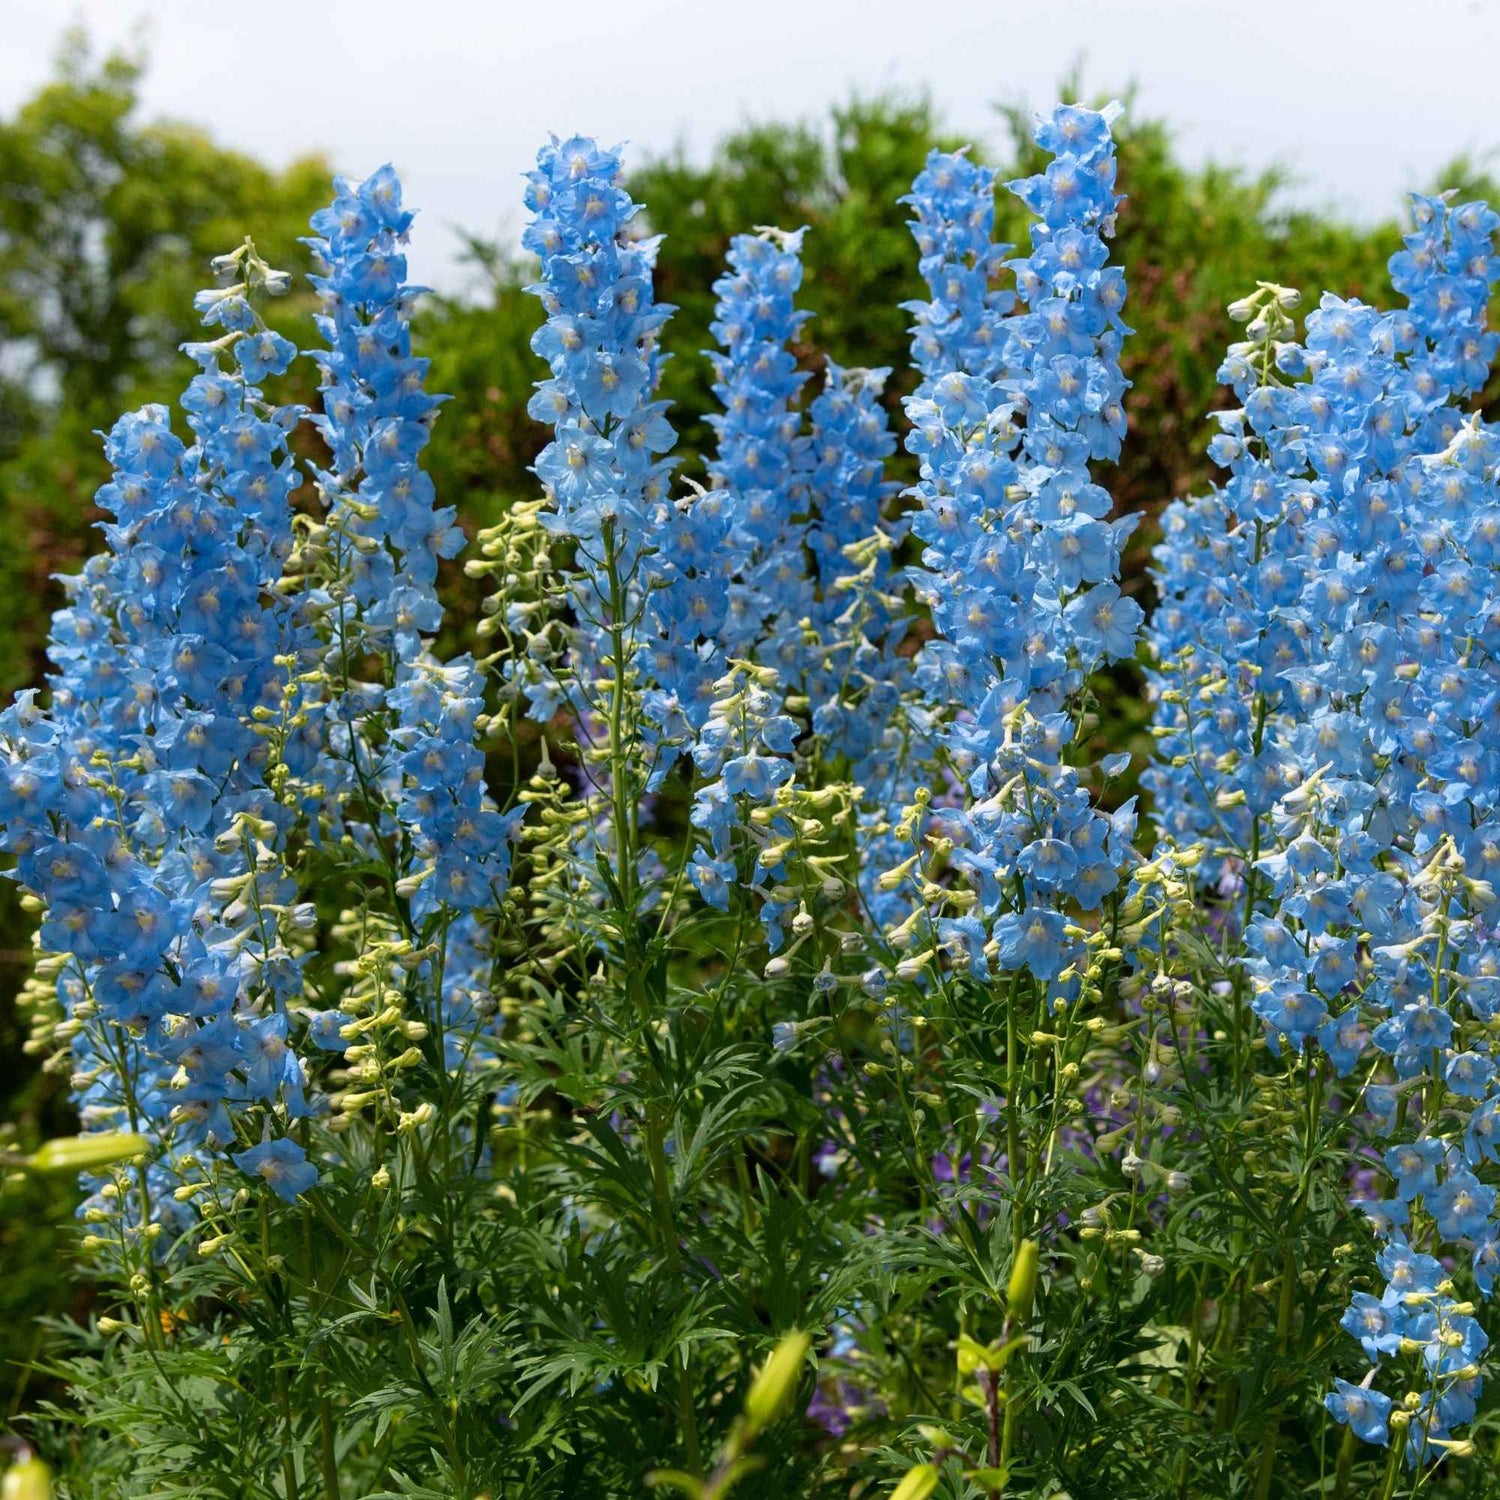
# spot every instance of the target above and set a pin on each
(377, 1037)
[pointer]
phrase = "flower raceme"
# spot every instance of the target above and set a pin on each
(1018, 561)
(139, 804)
(1324, 672)
(203, 721)
(387, 537)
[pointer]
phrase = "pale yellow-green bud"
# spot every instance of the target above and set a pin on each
(1242, 309)
(917, 1484)
(1023, 1278)
(82, 1153)
(776, 1382)
(27, 1479)
(892, 879)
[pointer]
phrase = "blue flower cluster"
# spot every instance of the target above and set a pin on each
(744, 754)
(762, 460)
(761, 489)
(954, 334)
(377, 418)
(1326, 666)
(1019, 560)
(956, 330)
(139, 807)
(204, 716)
(655, 571)
(809, 598)
(1232, 618)
(850, 672)
(1417, 1312)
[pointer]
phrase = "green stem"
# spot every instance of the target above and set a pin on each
(1344, 1463)
(1013, 1145)
(1393, 1464)
(331, 1489)
(288, 1465)
(622, 789)
(1283, 1331)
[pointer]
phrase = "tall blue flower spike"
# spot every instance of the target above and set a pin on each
(956, 329)
(1323, 665)
(650, 568)
(762, 460)
(1018, 569)
(851, 673)
(377, 415)
(954, 332)
(376, 420)
(761, 469)
(138, 804)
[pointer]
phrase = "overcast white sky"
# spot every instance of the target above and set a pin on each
(1361, 98)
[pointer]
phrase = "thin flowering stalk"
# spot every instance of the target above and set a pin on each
(602, 470)
(954, 334)
(630, 669)
(1018, 567)
(820, 637)
(744, 750)
(851, 683)
(1018, 571)
(418, 753)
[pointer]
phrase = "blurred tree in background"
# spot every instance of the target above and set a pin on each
(107, 223)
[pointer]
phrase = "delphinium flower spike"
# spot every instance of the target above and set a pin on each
(132, 801)
(1018, 569)
(1347, 792)
(413, 735)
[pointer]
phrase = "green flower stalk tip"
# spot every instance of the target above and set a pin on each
(1022, 1289)
(776, 1381)
(918, 1483)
